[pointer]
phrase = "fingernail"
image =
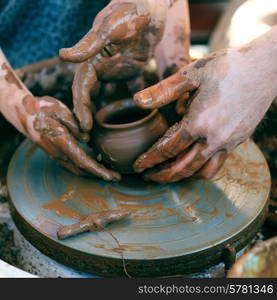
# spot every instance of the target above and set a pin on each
(143, 99)
(69, 54)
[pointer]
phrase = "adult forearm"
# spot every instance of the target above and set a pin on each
(265, 47)
(172, 52)
(261, 55)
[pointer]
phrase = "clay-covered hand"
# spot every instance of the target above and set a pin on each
(231, 91)
(51, 125)
(47, 122)
(117, 47)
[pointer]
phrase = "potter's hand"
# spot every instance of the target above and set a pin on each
(232, 90)
(47, 122)
(116, 48)
(53, 127)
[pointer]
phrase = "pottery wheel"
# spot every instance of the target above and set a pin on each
(173, 229)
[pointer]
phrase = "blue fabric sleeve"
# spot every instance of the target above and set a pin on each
(33, 30)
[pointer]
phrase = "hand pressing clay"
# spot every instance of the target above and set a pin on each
(231, 90)
(48, 123)
(124, 131)
(124, 36)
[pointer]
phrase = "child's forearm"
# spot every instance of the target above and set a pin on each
(12, 93)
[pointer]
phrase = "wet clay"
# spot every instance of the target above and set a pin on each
(31, 104)
(52, 126)
(167, 90)
(129, 248)
(10, 77)
(93, 222)
(117, 48)
(93, 197)
(209, 119)
(124, 131)
(174, 141)
(62, 210)
(57, 130)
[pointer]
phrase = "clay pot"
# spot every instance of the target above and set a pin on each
(123, 131)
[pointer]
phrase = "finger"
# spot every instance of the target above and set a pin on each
(181, 107)
(175, 140)
(85, 80)
(73, 127)
(56, 154)
(212, 166)
(185, 165)
(80, 158)
(69, 166)
(61, 113)
(87, 47)
(123, 21)
(64, 141)
(120, 21)
(165, 91)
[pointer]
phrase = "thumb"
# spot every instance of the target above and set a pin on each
(166, 91)
(87, 47)
(115, 23)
